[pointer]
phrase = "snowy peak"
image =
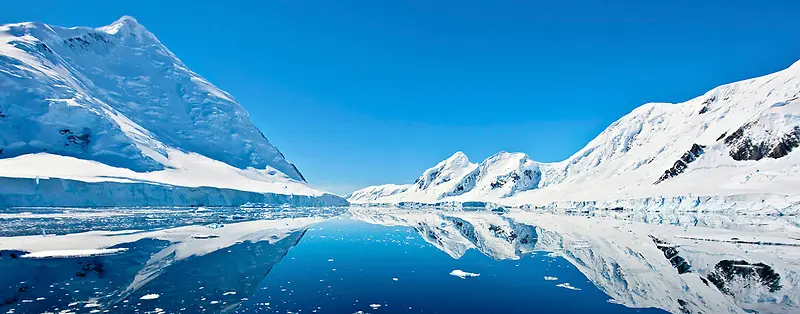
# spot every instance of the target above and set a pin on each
(116, 95)
(501, 174)
(445, 171)
(736, 139)
(122, 25)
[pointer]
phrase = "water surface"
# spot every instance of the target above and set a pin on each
(139, 260)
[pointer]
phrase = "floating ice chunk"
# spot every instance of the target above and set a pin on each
(552, 254)
(73, 253)
(330, 260)
(151, 296)
(549, 278)
(229, 293)
(566, 285)
(395, 279)
(375, 306)
(462, 274)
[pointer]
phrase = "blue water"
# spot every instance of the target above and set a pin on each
(367, 258)
(337, 264)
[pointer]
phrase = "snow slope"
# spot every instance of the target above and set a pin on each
(735, 140)
(112, 104)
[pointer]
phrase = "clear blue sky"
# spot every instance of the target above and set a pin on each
(358, 93)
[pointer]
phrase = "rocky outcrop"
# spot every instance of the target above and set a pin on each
(671, 253)
(682, 163)
(744, 147)
(747, 275)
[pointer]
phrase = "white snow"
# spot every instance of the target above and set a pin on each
(73, 253)
(113, 105)
(185, 245)
(462, 274)
(621, 165)
(620, 259)
(566, 285)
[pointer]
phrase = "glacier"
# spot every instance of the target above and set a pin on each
(91, 112)
(732, 148)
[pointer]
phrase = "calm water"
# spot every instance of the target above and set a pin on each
(384, 261)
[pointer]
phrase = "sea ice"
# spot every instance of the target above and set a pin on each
(566, 285)
(462, 274)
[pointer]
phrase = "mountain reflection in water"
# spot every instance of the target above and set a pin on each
(350, 261)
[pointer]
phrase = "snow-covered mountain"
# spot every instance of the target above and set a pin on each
(112, 104)
(735, 141)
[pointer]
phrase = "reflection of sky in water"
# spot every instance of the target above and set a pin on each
(392, 261)
(366, 259)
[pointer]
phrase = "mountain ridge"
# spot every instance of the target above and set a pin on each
(659, 150)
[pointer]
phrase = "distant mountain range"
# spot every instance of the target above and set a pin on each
(733, 148)
(112, 111)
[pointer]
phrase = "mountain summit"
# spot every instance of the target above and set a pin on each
(733, 146)
(115, 96)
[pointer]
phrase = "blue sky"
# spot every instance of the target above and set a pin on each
(365, 92)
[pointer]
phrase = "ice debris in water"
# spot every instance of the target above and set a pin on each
(549, 278)
(566, 285)
(462, 274)
(375, 306)
(151, 296)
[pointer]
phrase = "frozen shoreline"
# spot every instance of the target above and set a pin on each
(55, 192)
(759, 204)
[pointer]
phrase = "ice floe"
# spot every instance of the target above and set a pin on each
(462, 274)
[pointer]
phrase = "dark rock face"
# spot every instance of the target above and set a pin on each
(86, 41)
(81, 139)
(706, 104)
(423, 183)
(682, 163)
(671, 253)
(745, 148)
(684, 308)
(513, 178)
(466, 184)
(750, 274)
